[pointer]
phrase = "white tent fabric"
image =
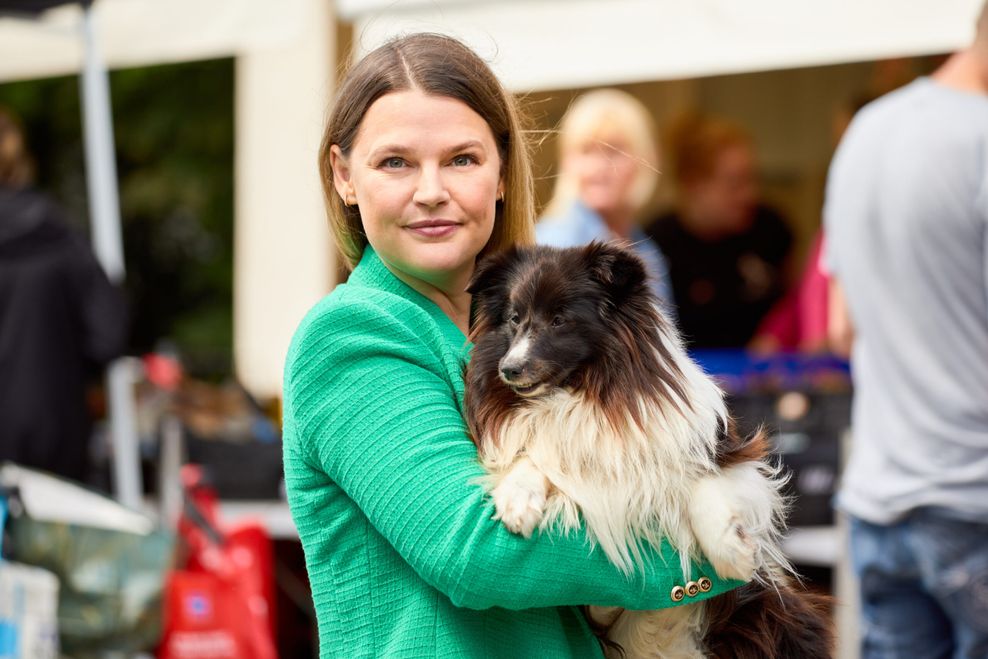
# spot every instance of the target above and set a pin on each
(142, 32)
(557, 44)
(533, 44)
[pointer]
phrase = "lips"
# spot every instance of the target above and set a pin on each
(435, 228)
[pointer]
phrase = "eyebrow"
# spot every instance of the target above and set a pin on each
(469, 144)
(402, 149)
(389, 148)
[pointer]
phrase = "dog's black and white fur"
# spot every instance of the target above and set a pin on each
(585, 406)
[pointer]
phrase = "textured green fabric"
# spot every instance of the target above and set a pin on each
(403, 556)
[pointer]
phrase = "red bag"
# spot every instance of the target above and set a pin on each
(220, 604)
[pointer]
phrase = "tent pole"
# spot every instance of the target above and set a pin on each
(104, 211)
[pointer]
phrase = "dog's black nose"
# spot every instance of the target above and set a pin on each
(511, 373)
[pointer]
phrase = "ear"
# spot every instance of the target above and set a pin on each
(492, 272)
(618, 269)
(342, 180)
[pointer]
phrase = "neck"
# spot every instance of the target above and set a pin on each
(966, 70)
(620, 222)
(694, 223)
(448, 294)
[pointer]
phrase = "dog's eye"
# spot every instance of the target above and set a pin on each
(515, 319)
(557, 321)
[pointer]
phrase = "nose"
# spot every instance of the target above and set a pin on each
(431, 188)
(511, 371)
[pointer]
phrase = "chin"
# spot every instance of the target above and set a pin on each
(586, 409)
(603, 203)
(439, 260)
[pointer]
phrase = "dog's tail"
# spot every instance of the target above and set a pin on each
(761, 621)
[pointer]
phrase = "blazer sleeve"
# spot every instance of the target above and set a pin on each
(373, 411)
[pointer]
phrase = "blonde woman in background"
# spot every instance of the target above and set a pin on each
(608, 170)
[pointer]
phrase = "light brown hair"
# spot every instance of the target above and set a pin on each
(440, 66)
(695, 141)
(16, 165)
(981, 27)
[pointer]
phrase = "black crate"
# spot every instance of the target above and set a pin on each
(239, 470)
(806, 430)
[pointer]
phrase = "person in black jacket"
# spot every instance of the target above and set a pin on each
(61, 321)
(727, 252)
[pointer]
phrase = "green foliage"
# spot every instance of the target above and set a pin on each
(174, 135)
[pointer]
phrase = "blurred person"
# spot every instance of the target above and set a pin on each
(727, 252)
(608, 170)
(424, 168)
(798, 322)
(906, 216)
(61, 321)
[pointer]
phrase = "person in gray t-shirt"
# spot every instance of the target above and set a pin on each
(906, 220)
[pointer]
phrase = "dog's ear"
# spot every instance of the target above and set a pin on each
(492, 273)
(618, 269)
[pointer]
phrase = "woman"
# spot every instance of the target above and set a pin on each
(608, 169)
(727, 252)
(424, 169)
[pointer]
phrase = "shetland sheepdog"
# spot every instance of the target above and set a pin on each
(588, 413)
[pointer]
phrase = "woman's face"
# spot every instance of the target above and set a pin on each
(605, 171)
(425, 173)
(726, 199)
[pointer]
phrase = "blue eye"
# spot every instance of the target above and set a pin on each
(393, 163)
(464, 160)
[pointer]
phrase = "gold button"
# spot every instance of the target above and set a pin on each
(692, 588)
(677, 594)
(705, 584)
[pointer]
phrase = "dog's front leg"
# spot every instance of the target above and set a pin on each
(719, 528)
(520, 497)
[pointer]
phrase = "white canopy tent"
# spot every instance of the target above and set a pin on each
(143, 32)
(559, 44)
(533, 44)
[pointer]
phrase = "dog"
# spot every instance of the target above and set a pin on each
(588, 413)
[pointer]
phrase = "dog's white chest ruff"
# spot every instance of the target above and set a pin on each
(625, 485)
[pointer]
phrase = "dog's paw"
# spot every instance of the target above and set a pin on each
(734, 556)
(519, 510)
(520, 499)
(720, 529)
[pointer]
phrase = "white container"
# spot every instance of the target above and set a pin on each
(28, 612)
